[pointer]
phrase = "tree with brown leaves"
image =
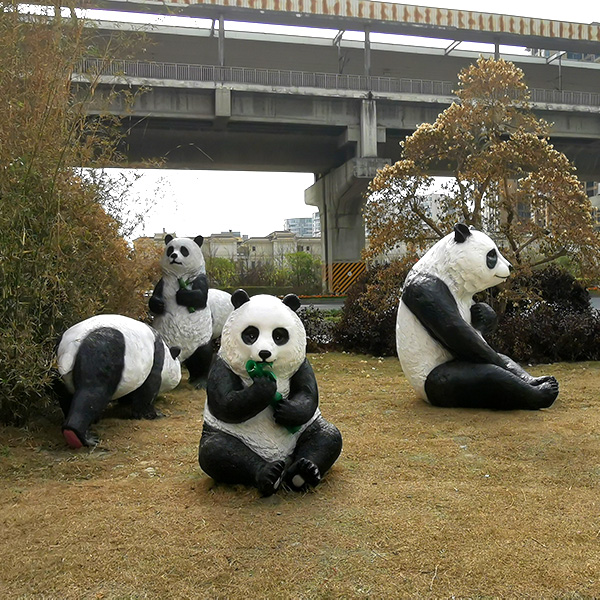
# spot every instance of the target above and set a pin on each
(506, 178)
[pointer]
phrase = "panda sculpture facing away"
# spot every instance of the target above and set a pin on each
(439, 330)
(186, 312)
(108, 357)
(262, 423)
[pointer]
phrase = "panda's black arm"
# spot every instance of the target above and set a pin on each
(430, 300)
(303, 398)
(197, 296)
(157, 301)
(229, 400)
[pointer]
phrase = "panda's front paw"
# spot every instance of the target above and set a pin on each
(287, 414)
(78, 440)
(483, 318)
(264, 388)
(156, 305)
(269, 477)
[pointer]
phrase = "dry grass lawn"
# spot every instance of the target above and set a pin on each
(423, 503)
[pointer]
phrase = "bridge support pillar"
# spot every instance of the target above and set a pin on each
(339, 196)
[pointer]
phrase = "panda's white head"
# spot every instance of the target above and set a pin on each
(264, 329)
(183, 257)
(467, 260)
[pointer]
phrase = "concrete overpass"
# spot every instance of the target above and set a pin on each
(221, 99)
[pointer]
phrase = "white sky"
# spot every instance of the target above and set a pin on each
(257, 203)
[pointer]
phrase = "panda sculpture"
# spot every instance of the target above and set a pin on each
(439, 330)
(262, 424)
(186, 312)
(109, 357)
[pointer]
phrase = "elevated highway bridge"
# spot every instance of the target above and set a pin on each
(216, 98)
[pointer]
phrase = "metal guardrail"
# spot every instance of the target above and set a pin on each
(301, 79)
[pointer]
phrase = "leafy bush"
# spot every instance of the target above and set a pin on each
(320, 327)
(548, 333)
(62, 257)
(368, 322)
(548, 317)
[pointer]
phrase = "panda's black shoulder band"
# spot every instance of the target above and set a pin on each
(432, 303)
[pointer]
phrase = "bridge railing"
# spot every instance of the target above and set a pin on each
(302, 79)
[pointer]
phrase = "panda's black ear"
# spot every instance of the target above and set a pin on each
(175, 351)
(292, 301)
(239, 297)
(168, 239)
(461, 233)
(199, 239)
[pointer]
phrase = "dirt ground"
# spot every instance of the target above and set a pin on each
(423, 503)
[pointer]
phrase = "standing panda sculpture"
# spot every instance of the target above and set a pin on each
(262, 423)
(109, 357)
(439, 330)
(186, 312)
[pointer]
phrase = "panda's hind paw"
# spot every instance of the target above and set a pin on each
(547, 393)
(269, 477)
(302, 473)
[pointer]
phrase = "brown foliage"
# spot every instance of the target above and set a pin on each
(62, 257)
(502, 167)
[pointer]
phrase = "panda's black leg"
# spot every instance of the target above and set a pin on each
(96, 375)
(198, 365)
(470, 385)
(142, 399)
(317, 449)
(227, 459)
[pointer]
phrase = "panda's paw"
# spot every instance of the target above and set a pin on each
(152, 414)
(547, 392)
(199, 382)
(77, 440)
(269, 477)
(535, 381)
(302, 473)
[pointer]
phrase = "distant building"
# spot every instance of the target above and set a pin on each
(586, 57)
(249, 252)
(273, 248)
(302, 226)
(222, 245)
(316, 225)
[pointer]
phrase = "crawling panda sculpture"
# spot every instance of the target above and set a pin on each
(439, 330)
(186, 312)
(109, 357)
(262, 424)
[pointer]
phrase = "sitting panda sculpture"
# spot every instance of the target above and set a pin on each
(186, 312)
(439, 330)
(109, 357)
(262, 423)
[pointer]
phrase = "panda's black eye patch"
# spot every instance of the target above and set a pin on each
(184, 251)
(281, 336)
(170, 250)
(491, 259)
(250, 335)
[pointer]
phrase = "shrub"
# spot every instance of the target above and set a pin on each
(320, 327)
(548, 318)
(368, 322)
(62, 257)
